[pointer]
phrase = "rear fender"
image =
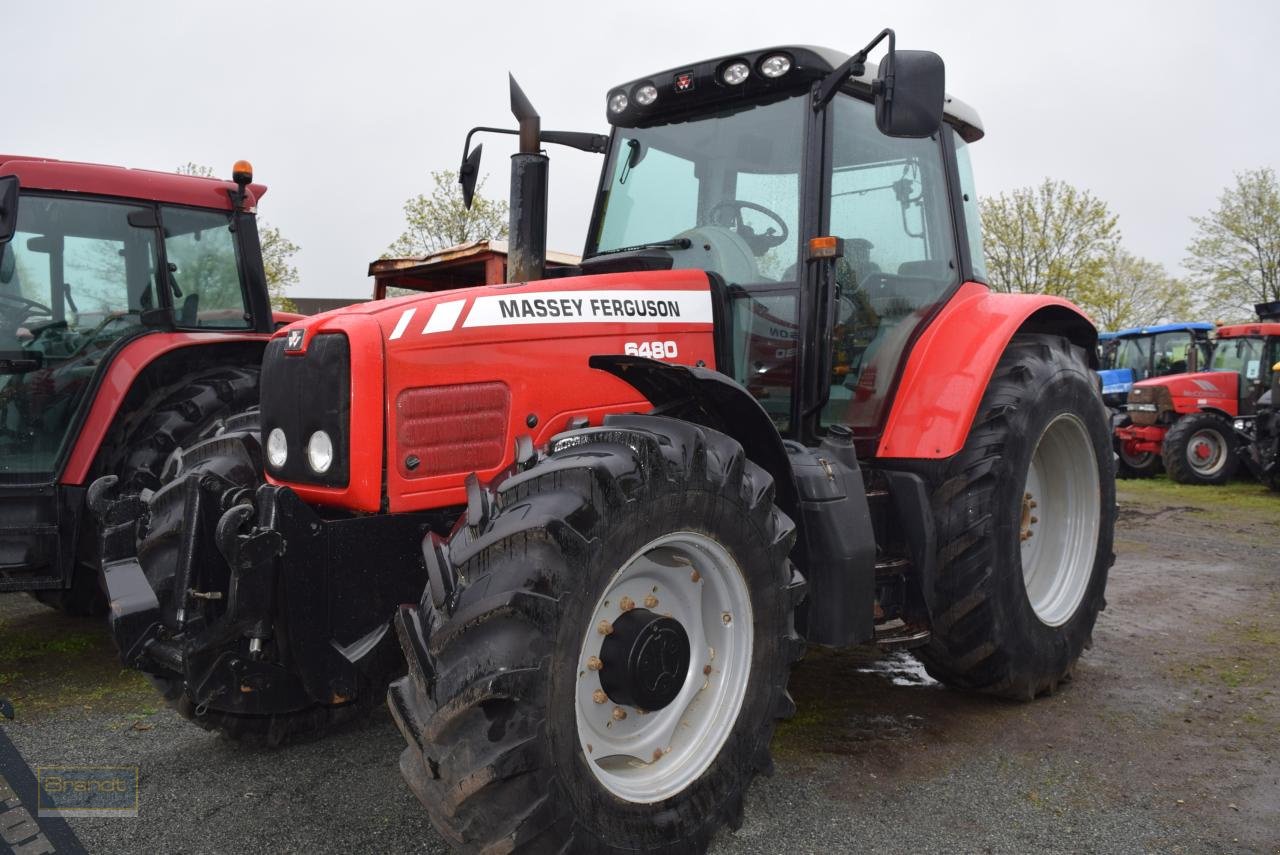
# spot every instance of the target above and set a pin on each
(952, 362)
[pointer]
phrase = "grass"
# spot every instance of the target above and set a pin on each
(1225, 498)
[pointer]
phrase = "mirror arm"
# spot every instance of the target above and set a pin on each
(855, 64)
(591, 143)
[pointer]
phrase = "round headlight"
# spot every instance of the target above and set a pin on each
(646, 94)
(776, 65)
(320, 452)
(735, 72)
(277, 448)
(618, 102)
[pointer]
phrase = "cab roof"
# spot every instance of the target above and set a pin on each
(808, 63)
(43, 173)
(1200, 326)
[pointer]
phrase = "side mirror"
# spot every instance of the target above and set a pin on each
(8, 207)
(910, 91)
(468, 173)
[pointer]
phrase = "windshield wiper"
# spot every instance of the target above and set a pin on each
(674, 243)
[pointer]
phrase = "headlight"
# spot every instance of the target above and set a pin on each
(277, 448)
(735, 72)
(646, 94)
(617, 102)
(320, 452)
(776, 65)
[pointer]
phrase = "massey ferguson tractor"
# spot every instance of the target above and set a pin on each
(599, 538)
(133, 317)
(1197, 424)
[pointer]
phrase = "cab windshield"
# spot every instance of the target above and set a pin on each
(1241, 355)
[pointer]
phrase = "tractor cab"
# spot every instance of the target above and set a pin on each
(1138, 353)
(832, 243)
(94, 258)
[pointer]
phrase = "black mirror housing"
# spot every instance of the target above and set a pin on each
(468, 173)
(910, 93)
(8, 207)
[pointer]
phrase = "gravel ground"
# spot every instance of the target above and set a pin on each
(1168, 739)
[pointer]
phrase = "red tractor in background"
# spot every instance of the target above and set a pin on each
(1198, 423)
(589, 527)
(133, 317)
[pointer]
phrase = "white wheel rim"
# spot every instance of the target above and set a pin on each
(1061, 516)
(645, 757)
(1206, 452)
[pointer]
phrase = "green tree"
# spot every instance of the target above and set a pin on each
(1051, 239)
(1135, 292)
(439, 220)
(277, 251)
(1235, 254)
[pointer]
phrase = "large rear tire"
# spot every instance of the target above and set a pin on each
(174, 416)
(1025, 515)
(645, 521)
(1200, 448)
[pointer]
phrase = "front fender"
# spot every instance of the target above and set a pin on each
(952, 362)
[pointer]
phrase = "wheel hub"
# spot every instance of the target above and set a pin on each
(1202, 450)
(644, 660)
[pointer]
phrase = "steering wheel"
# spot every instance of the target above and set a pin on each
(759, 243)
(38, 308)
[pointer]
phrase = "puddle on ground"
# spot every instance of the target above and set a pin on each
(901, 668)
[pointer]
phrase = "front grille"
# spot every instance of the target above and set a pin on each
(446, 429)
(306, 392)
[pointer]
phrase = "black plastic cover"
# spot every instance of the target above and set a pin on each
(306, 392)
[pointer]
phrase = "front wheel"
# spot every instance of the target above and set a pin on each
(1025, 515)
(1200, 448)
(1136, 464)
(607, 676)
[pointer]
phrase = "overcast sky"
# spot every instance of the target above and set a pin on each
(345, 108)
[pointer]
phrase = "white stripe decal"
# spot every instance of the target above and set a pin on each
(402, 324)
(444, 316)
(599, 307)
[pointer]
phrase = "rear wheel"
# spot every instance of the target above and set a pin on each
(177, 415)
(1025, 517)
(1200, 448)
(608, 675)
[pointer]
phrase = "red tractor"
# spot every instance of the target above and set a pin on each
(612, 551)
(133, 317)
(1198, 423)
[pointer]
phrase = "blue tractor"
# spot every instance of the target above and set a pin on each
(1137, 353)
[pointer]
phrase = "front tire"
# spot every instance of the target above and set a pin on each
(1142, 464)
(505, 709)
(1025, 516)
(1200, 448)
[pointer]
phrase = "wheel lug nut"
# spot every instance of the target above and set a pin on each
(650, 602)
(1035, 519)
(1032, 503)
(626, 604)
(657, 754)
(706, 669)
(619, 713)
(594, 663)
(727, 618)
(695, 576)
(599, 696)
(605, 628)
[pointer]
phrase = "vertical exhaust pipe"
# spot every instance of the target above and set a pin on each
(527, 228)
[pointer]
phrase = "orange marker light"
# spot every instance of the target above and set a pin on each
(242, 172)
(825, 247)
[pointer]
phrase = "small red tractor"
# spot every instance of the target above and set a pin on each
(599, 540)
(133, 318)
(1198, 423)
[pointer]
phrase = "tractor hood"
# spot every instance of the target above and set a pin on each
(1186, 393)
(449, 381)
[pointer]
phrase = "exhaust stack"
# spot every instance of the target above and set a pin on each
(527, 228)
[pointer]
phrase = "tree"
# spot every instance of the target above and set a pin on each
(441, 220)
(1235, 253)
(277, 251)
(1050, 239)
(1135, 292)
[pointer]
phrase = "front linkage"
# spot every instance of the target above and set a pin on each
(256, 615)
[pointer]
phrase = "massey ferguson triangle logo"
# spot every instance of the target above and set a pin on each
(294, 341)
